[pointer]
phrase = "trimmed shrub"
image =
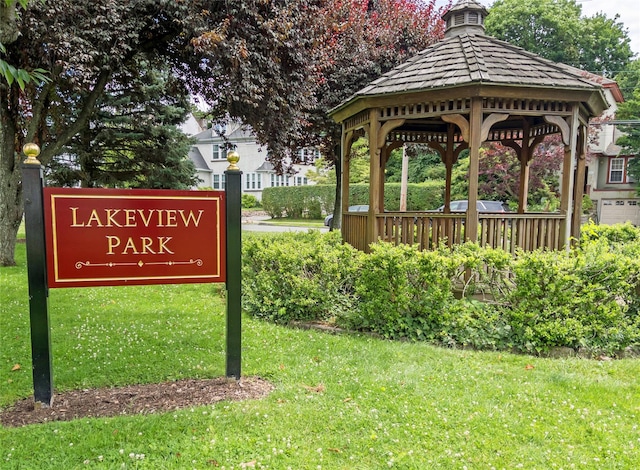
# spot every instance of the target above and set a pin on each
(581, 299)
(298, 276)
(402, 292)
(587, 299)
(313, 201)
(249, 201)
(298, 201)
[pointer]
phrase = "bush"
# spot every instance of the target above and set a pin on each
(587, 299)
(401, 292)
(613, 234)
(580, 299)
(249, 201)
(298, 201)
(315, 200)
(298, 276)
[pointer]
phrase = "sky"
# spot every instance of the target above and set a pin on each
(629, 11)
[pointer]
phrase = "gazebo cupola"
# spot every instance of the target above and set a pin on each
(465, 17)
(457, 95)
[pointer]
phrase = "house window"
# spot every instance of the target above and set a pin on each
(618, 170)
(217, 152)
(279, 180)
(300, 181)
(253, 181)
(219, 181)
(308, 156)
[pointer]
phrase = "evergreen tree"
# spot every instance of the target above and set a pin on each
(132, 138)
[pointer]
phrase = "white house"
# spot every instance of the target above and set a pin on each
(209, 154)
(608, 183)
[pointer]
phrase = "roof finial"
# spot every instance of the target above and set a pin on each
(465, 17)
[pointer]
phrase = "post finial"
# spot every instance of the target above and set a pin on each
(32, 151)
(233, 158)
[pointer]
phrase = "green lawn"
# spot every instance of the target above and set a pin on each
(288, 222)
(381, 404)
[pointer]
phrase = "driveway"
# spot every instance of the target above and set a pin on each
(259, 223)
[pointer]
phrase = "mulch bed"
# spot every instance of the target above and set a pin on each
(135, 399)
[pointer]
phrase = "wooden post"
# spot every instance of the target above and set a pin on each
(475, 141)
(566, 197)
(579, 183)
(345, 151)
(374, 177)
(525, 157)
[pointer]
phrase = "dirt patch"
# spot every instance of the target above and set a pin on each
(135, 399)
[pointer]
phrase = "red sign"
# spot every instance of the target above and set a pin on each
(108, 237)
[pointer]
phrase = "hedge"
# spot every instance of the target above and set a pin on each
(313, 201)
(587, 299)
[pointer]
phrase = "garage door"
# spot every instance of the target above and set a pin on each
(614, 211)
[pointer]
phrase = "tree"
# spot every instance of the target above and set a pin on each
(555, 29)
(361, 40)
(499, 172)
(133, 139)
(257, 68)
(424, 164)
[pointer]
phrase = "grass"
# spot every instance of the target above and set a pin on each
(288, 222)
(341, 401)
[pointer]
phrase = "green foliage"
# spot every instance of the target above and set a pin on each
(586, 299)
(291, 276)
(249, 201)
(578, 300)
(298, 201)
(420, 197)
(424, 164)
(618, 234)
(133, 138)
(587, 204)
(555, 30)
(402, 292)
(314, 200)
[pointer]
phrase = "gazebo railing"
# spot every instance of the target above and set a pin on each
(528, 231)
(354, 229)
(428, 230)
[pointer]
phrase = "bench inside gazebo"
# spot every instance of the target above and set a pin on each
(458, 94)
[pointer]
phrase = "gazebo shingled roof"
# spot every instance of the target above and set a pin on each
(481, 85)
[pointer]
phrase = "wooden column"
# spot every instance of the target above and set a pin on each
(566, 196)
(578, 192)
(525, 158)
(448, 165)
(374, 177)
(346, 151)
(475, 141)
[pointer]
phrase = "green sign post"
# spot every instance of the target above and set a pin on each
(234, 265)
(36, 242)
(32, 183)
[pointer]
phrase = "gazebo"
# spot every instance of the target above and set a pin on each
(461, 92)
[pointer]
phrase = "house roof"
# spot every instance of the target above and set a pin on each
(198, 160)
(239, 132)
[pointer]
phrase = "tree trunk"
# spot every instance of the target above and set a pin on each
(11, 205)
(336, 222)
